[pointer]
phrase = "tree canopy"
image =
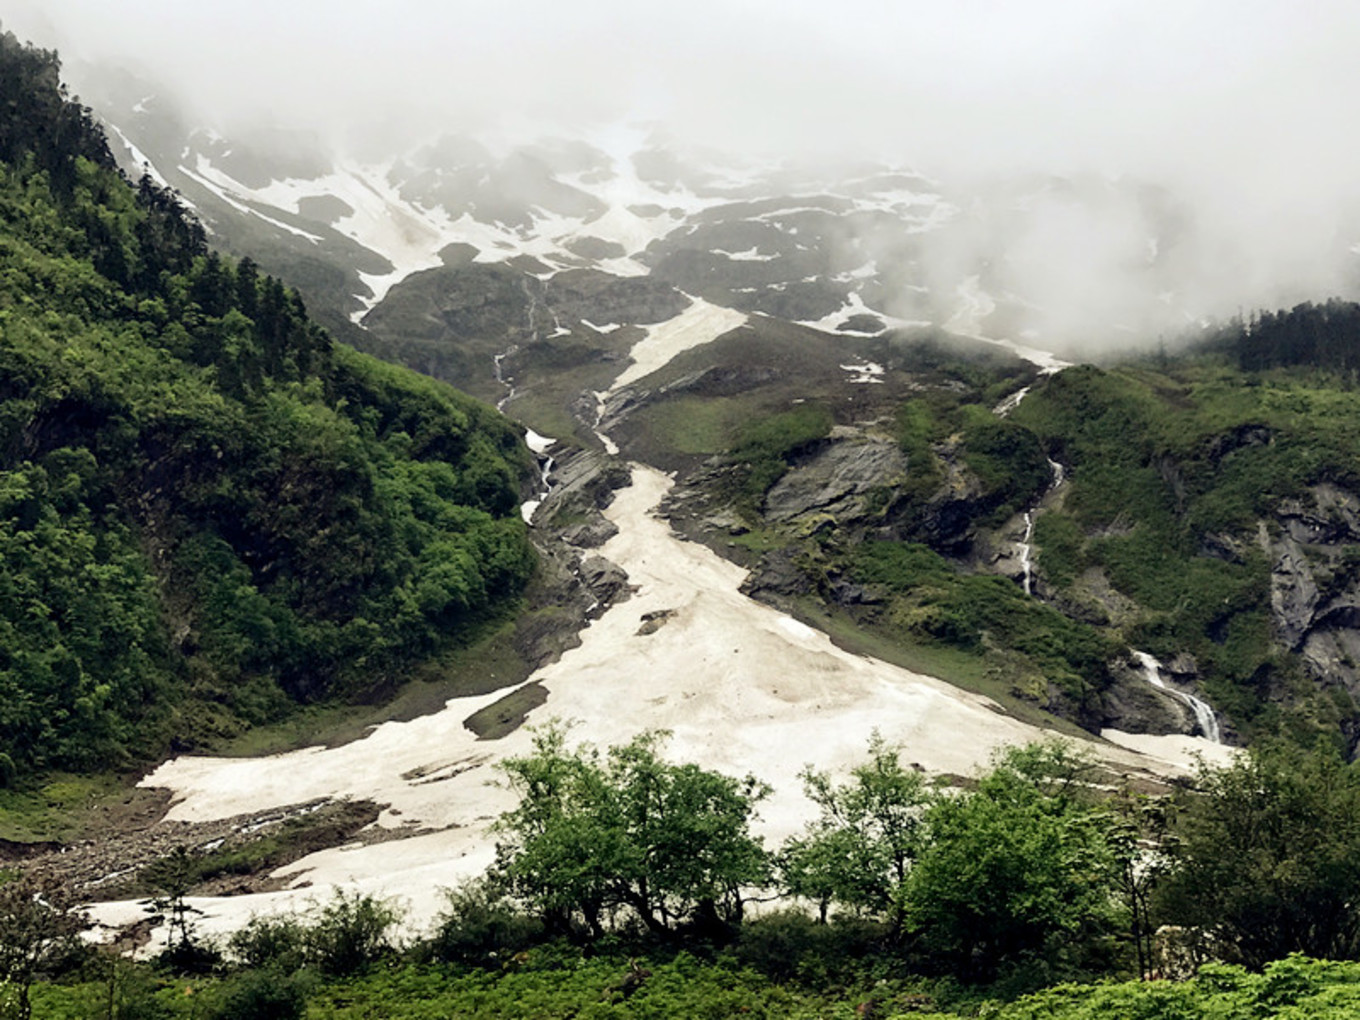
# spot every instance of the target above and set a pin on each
(627, 831)
(209, 511)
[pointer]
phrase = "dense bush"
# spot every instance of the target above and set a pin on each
(264, 994)
(350, 932)
(1268, 857)
(480, 925)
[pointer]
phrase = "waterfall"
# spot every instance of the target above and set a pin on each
(1026, 548)
(499, 361)
(610, 447)
(1205, 717)
(1026, 544)
(540, 446)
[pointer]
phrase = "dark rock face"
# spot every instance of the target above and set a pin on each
(490, 302)
(605, 579)
(871, 324)
(778, 573)
(604, 299)
(591, 534)
(837, 480)
(1135, 706)
(1315, 582)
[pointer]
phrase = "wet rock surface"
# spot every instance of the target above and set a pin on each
(1314, 552)
(837, 480)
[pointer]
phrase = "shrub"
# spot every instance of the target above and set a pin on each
(480, 925)
(279, 942)
(267, 994)
(350, 932)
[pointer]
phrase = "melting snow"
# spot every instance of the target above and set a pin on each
(742, 687)
(698, 324)
(868, 372)
(749, 255)
(601, 329)
(139, 158)
(224, 193)
(855, 305)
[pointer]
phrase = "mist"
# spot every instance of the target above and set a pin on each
(1224, 126)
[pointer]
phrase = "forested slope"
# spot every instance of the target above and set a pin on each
(209, 511)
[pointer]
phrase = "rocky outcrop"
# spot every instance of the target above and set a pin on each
(605, 579)
(1133, 705)
(778, 573)
(1315, 582)
(605, 299)
(840, 480)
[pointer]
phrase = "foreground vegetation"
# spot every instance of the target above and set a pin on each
(621, 879)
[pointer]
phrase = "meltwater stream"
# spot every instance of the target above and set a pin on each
(1027, 543)
(1205, 717)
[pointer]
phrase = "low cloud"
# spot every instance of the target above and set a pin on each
(1223, 130)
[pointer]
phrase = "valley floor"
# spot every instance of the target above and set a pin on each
(742, 688)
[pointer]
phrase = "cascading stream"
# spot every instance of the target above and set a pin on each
(1205, 717)
(539, 445)
(499, 361)
(1026, 544)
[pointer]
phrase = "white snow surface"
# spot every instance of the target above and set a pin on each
(140, 158)
(742, 688)
(855, 305)
(749, 255)
(537, 443)
(864, 372)
(698, 324)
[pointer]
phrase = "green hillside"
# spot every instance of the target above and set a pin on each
(209, 511)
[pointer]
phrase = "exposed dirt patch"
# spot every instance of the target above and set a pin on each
(508, 714)
(231, 856)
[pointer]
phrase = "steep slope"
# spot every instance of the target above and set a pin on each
(848, 247)
(209, 511)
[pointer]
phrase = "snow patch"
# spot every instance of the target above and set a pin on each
(854, 305)
(866, 372)
(749, 255)
(141, 160)
(224, 192)
(742, 687)
(698, 324)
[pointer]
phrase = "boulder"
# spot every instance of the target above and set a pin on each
(836, 480)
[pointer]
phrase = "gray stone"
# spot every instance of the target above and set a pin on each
(606, 579)
(836, 479)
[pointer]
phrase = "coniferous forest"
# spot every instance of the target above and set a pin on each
(209, 511)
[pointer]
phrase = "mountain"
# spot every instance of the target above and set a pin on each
(671, 297)
(517, 239)
(210, 512)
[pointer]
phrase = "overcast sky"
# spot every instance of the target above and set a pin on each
(1107, 85)
(1247, 109)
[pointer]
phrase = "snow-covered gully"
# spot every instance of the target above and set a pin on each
(742, 687)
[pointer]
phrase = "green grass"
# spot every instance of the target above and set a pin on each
(479, 668)
(976, 671)
(694, 425)
(930, 601)
(59, 809)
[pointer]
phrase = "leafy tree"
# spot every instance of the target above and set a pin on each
(1019, 871)
(594, 835)
(858, 852)
(39, 926)
(1268, 858)
(208, 510)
